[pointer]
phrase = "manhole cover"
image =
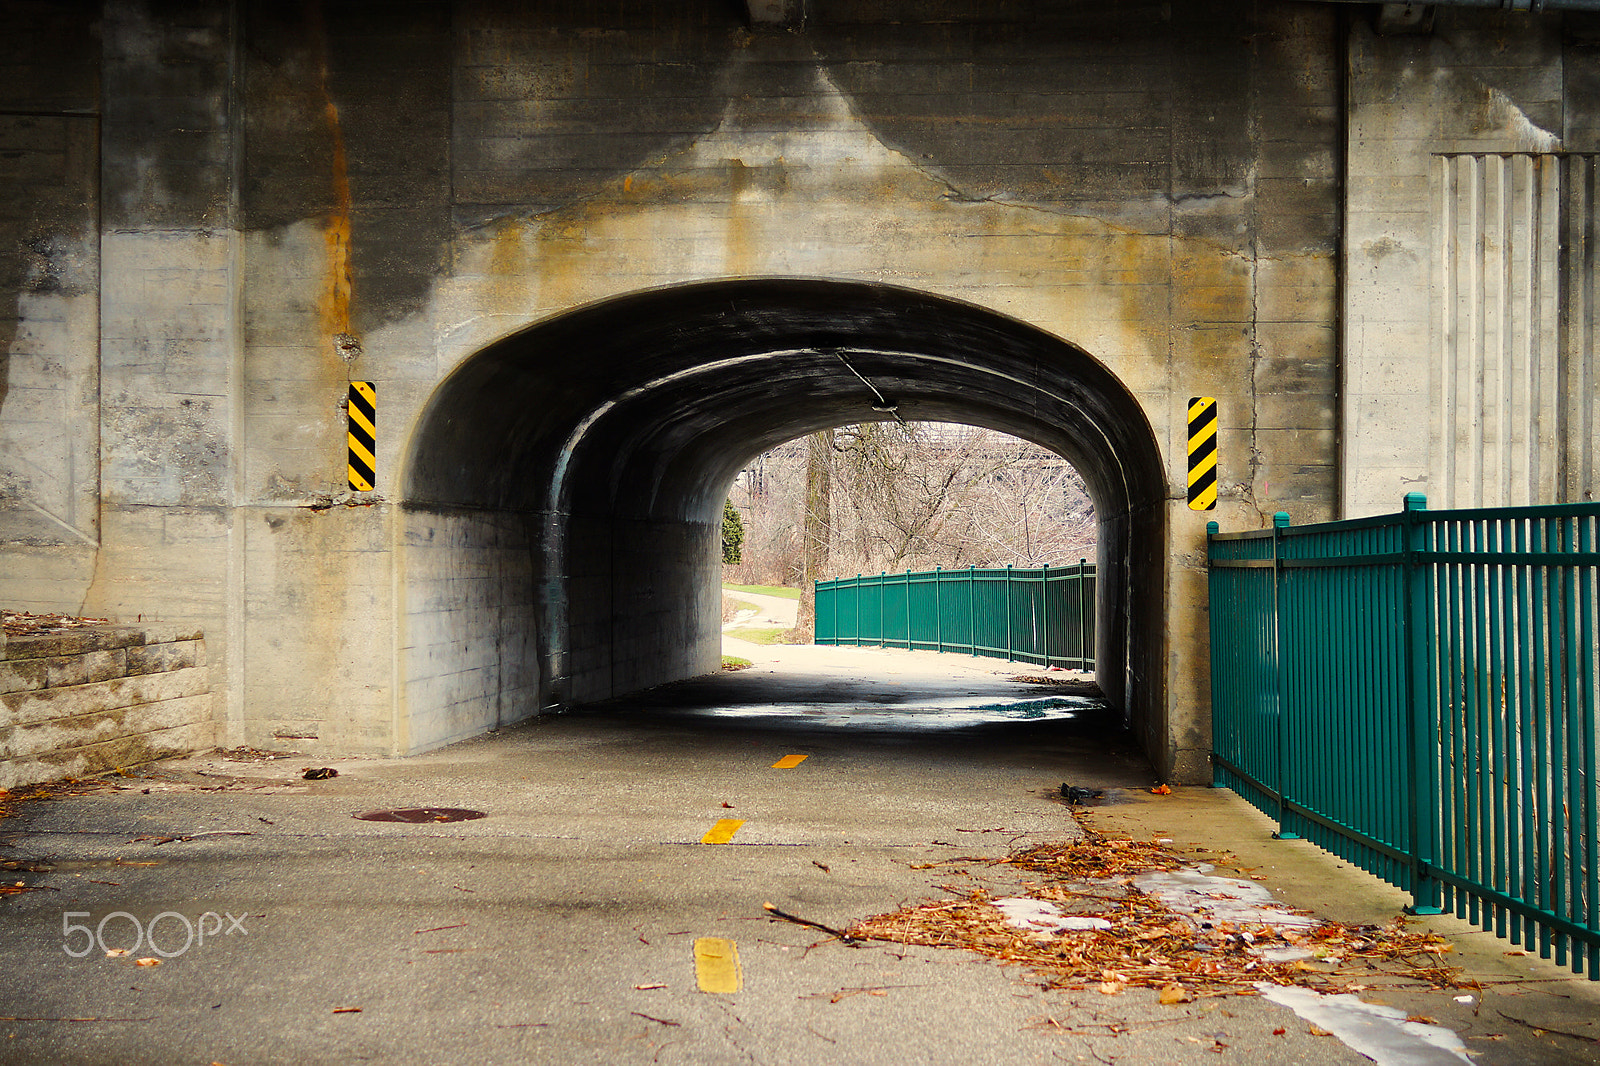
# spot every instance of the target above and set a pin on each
(422, 814)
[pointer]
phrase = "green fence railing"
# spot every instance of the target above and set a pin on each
(1043, 616)
(1416, 693)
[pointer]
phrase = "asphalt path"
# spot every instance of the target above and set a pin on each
(778, 612)
(584, 918)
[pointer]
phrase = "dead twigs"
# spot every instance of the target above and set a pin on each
(841, 934)
(1150, 945)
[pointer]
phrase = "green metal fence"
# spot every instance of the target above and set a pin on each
(1416, 693)
(1043, 616)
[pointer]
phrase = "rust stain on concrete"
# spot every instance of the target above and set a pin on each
(334, 302)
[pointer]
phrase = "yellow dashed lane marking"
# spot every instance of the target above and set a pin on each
(788, 762)
(716, 965)
(723, 831)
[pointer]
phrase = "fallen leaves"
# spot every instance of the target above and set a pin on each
(1149, 945)
(1079, 686)
(49, 790)
(24, 623)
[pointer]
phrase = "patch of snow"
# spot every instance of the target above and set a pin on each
(1284, 954)
(1204, 897)
(1380, 1033)
(1040, 916)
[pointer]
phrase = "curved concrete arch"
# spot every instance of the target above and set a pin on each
(587, 457)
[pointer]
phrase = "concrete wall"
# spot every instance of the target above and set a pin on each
(230, 211)
(99, 698)
(470, 654)
(1470, 368)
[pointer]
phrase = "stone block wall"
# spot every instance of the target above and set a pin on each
(100, 698)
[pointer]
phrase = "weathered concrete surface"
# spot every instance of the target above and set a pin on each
(230, 212)
(98, 698)
(1458, 187)
(539, 932)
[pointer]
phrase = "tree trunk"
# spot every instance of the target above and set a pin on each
(818, 530)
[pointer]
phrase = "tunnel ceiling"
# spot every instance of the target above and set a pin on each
(647, 405)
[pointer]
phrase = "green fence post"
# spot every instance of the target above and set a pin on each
(972, 608)
(1009, 656)
(1044, 613)
(1083, 617)
(1280, 523)
(1212, 529)
(938, 609)
(1422, 798)
(883, 594)
(908, 608)
(835, 613)
(858, 611)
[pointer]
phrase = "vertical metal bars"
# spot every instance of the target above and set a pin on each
(1043, 616)
(1416, 693)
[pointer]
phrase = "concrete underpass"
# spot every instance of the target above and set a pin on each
(592, 257)
(561, 512)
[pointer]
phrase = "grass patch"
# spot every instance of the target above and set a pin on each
(733, 662)
(766, 590)
(758, 636)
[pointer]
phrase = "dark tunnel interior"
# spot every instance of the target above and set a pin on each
(599, 446)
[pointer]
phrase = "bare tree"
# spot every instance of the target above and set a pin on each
(818, 533)
(910, 496)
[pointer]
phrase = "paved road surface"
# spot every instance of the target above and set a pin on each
(561, 928)
(770, 611)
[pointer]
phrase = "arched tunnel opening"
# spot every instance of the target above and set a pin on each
(565, 485)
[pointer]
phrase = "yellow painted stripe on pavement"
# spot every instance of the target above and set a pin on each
(723, 831)
(788, 762)
(716, 965)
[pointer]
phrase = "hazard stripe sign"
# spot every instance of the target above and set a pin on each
(1202, 453)
(363, 436)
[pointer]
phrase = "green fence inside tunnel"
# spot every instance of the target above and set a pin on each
(1416, 693)
(1041, 615)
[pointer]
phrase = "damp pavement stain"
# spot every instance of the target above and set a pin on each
(918, 715)
(421, 815)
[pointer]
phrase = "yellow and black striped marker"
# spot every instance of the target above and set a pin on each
(363, 436)
(1202, 453)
